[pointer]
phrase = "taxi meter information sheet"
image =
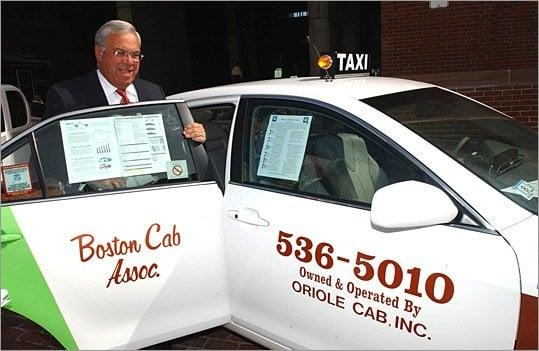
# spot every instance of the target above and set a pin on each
(284, 146)
(119, 146)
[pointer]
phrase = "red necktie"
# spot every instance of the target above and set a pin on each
(125, 99)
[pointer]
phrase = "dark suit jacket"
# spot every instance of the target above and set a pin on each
(86, 92)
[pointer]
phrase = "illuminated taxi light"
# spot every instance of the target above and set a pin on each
(325, 62)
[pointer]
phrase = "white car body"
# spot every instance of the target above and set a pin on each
(446, 263)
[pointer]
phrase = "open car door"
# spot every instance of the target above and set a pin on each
(111, 230)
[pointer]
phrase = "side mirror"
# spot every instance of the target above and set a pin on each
(410, 204)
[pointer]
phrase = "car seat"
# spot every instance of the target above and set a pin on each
(349, 172)
(364, 172)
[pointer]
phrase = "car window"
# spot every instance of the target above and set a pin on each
(307, 149)
(17, 109)
(495, 147)
(113, 150)
(220, 114)
(216, 120)
(20, 179)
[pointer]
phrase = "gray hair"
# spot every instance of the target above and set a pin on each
(114, 26)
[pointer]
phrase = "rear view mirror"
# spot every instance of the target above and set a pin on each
(410, 204)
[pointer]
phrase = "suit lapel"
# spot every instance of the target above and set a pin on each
(94, 94)
(140, 91)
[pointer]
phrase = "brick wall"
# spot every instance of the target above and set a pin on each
(519, 101)
(486, 50)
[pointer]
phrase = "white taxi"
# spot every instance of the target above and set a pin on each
(347, 213)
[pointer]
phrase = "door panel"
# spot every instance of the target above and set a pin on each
(303, 304)
(318, 275)
(111, 229)
(87, 246)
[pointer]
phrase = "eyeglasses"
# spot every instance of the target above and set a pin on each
(121, 54)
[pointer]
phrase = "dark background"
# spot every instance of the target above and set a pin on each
(187, 45)
(484, 49)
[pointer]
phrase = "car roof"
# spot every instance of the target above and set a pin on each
(355, 86)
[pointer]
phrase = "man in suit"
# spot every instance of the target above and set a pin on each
(118, 57)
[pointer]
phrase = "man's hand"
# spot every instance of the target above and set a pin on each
(107, 184)
(196, 132)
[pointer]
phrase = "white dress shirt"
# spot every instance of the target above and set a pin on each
(110, 91)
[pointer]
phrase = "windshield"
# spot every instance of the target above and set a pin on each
(493, 146)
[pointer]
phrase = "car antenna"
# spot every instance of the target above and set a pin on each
(313, 44)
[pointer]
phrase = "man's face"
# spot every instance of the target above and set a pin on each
(119, 71)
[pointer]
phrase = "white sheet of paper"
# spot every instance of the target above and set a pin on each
(142, 143)
(91, 149)
(109, 147)
(284, 146)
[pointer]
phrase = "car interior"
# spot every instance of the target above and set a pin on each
(336, 164)
(217, 120)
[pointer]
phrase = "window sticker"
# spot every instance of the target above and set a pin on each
(91, 150)
(528, 190)
(177, 169)
(110, 147)
(17, 179)
(284, 146)
(142, 143)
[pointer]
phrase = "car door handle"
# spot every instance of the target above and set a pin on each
(248, 216)
(8, 237)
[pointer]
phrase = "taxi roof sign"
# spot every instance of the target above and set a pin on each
(340, 62)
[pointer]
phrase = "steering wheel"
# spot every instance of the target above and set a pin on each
(459, 146)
